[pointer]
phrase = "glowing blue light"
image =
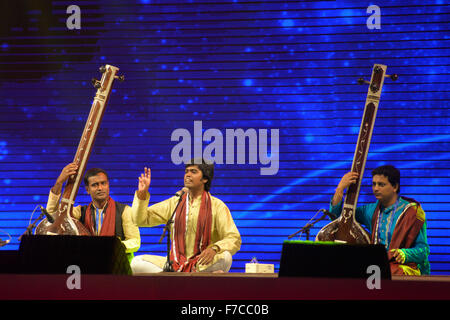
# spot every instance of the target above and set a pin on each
(3, 150)
(287, 23)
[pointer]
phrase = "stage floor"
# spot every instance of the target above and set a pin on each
(229, 286)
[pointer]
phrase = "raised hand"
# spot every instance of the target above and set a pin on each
(144, 183)
(66, 172)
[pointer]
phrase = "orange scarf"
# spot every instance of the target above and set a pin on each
(109, 222)
(178, 257)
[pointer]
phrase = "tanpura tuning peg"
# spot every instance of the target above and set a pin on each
(362, 81)
(96, 83)
(120, 78)
(102, 69)
(393, 77)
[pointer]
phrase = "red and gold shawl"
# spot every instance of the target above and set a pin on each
(178, 257)
(405, 232)
(109, 220)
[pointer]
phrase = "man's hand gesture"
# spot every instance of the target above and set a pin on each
(144, 184)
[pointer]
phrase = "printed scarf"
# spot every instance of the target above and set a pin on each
(404, 234)
(109, 220)
(180, 262)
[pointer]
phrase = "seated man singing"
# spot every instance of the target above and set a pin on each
(203, 233)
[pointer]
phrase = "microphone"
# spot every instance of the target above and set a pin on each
(310, 224)
(5, 242)
(47, 215)
(327, 213)
(181, 192)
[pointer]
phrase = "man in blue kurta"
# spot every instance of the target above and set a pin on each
(395, 221)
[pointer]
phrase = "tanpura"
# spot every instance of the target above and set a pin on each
(345, 228)
(64, 223)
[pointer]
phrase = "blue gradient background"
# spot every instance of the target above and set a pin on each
(287, 65)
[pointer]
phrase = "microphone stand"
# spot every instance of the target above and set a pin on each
(309, 225)
(168, 266)
(30, 227)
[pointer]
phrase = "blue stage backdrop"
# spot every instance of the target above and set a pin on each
(284, 72)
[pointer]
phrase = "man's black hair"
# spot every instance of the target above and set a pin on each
(206, 168)
(391, 173)
(93, 172)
